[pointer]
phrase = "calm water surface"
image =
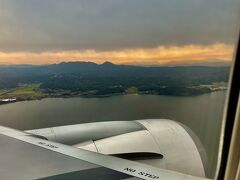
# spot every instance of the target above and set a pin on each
(203, 114)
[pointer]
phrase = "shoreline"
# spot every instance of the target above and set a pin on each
(98, 96)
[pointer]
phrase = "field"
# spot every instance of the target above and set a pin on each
(23, 92)
(132, 90)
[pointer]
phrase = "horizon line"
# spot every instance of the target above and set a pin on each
(203, 63)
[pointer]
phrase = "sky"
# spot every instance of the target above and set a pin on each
(152, 32)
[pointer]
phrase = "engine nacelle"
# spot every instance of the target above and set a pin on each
(158, 142)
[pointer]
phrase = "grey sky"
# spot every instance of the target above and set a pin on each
(53, 25)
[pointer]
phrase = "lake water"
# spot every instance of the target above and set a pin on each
(203, 114)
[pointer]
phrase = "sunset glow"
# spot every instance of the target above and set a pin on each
(155, 56)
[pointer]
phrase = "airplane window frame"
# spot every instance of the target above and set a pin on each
(229, 115)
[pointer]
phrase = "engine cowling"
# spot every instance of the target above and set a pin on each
(158, 142)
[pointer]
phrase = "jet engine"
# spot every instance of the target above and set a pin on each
(157, 142)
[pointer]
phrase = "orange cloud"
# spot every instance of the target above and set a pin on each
(159, 55)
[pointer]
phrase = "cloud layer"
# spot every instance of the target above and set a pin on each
(60, 25)
(143, 56)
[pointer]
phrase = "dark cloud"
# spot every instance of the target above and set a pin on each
(49, 25)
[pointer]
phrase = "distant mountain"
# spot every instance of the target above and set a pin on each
(108, 64)
(106, 69)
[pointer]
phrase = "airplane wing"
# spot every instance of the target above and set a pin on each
(26, 156)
